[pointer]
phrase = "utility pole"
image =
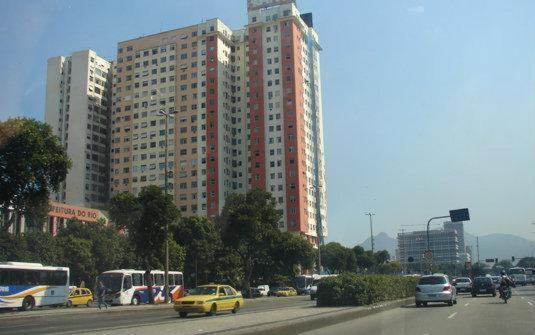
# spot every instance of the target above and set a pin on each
(370, 214)
(167, 115)
(477, 243)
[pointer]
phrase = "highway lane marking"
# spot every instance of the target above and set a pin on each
(451, 316)
(530, 303)
(466, 304)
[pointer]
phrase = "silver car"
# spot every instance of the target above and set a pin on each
(435, 288)
(463, 284)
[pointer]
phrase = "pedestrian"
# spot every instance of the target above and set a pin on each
(101, 293)
(149, 283)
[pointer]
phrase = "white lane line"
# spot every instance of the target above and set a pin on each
(530, 303)
(522, 298)
(466, 304)
(449, 317)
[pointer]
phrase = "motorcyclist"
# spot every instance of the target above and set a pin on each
(505, 284)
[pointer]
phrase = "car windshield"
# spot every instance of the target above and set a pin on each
(432, 280)
(112, 281)
(203, 290)
(482, 280)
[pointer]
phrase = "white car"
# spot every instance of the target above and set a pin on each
(264, 290)
(435, 288)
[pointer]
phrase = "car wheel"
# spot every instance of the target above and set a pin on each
(135, 300)
(474, 295)
(182, 314)
(450, 303)
(455, 302)
(424, 304)
(418, 304)
(28, 303)
(213, 310)
(236, 307)
(89, 303)
(68, 303)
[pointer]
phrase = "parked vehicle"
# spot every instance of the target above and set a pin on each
(264, 289)
(29, 285)
(303, 283)
(209, 299)
(273, 291)
(435, 288)
(483, 285)
(463, 284)
(255, 292)
(314, 286)
(80, 296)
(286, 292)
(130, 286)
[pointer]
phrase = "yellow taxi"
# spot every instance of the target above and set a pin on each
(80, 296)
(209, 299)
(286, 292)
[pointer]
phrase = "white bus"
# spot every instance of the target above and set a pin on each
(130, 286)
(530, 276)
(27, 285)
(518, 274)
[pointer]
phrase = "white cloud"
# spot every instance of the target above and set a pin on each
(420, 9)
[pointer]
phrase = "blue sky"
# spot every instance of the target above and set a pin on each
(428, 105)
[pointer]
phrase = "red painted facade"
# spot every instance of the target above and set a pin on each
(212, 187)
(294, 128)
(256, 108)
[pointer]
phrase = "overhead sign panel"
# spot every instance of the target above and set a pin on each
(458, 215)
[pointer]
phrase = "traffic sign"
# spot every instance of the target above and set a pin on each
(458, 215)
(428, 254)
(410, 259)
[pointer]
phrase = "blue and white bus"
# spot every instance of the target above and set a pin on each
(129, 287)
(27, 285)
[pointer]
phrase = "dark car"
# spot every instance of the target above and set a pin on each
(255, 293)
(273, 291)
(483, 285)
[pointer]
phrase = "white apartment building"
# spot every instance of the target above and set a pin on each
(77, 107)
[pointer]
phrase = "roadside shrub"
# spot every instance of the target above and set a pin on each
(349, 289)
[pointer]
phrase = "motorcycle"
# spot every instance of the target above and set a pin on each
(505, 295)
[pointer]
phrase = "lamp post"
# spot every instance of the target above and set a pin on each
(167, 115)
(370, 214)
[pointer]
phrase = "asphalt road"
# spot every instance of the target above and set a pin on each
(471, 316)
(100, 320)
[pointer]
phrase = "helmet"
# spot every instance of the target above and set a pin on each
(503, 272)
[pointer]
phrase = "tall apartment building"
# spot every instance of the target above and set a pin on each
(77, 107)
(247, 107)
(286, 138)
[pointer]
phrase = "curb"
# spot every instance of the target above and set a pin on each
(62, 312)
(308, 323)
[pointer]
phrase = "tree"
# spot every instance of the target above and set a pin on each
(366, 260)
(382, 257)
(124, 209)
(338, 258)
(200, 237)
(249, 223)
(292, 252)
(479, 269)
(145, 227)
(501, 265)
(526, 262)
(32, 163)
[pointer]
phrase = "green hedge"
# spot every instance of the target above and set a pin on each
(350, 289)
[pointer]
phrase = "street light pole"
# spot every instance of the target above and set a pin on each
(167, 115)
(370, 214)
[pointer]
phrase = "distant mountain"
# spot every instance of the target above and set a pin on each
(501, 246)
(382, 242)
